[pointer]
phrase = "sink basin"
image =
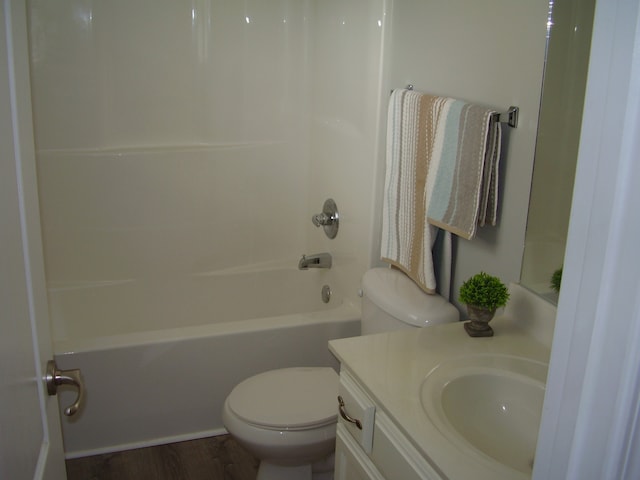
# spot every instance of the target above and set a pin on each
(489, 406)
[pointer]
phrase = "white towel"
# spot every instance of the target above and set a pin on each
(407, 237)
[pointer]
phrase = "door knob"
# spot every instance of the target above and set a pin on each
(55, 377)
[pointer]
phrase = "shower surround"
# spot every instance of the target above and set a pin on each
(182, 147)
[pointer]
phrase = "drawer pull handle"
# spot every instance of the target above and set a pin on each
(345, 415)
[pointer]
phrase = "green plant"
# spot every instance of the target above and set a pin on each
(484, 290)
(556, 280)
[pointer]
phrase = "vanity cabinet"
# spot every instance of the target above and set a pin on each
(369, 446)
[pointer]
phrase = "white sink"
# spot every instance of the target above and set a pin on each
(488, 406)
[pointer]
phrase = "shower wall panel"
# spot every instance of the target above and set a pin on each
(123, 74)
(172, 136)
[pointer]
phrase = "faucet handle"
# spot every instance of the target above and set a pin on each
(328, 219)
(321, 219)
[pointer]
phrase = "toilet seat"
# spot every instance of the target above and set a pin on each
(291, 398)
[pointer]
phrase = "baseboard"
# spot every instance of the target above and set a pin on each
(145, 443)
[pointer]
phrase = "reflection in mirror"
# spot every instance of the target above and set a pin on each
(569, 40)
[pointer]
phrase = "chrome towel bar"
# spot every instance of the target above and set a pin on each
(510, 117)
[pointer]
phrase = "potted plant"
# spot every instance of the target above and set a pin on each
(482, 294)
(556, 280)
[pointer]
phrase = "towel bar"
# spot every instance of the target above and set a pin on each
(510, 117)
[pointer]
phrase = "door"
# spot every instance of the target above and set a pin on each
(30, 436)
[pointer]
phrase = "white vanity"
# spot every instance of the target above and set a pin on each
(434, 403)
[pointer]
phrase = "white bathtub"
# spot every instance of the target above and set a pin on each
(149, 381)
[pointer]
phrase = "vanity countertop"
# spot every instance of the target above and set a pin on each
(392, 366)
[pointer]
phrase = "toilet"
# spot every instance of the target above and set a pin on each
(287, 417)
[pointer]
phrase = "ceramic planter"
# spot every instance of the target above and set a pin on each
(478, 324)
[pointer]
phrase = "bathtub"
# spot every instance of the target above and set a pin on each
(149, 382)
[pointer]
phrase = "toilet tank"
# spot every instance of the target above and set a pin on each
(391, 301)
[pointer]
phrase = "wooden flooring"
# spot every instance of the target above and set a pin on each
(214, 458)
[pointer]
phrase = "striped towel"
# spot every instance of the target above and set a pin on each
(463, 176)
(435, 172)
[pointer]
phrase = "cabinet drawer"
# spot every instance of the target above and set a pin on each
(357, 411)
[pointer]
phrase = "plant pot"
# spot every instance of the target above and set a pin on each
(478, 324)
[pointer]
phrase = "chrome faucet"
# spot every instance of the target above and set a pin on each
(317, 260)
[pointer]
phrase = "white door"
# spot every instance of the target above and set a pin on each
(30, 436)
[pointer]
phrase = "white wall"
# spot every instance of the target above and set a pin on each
(187, 137)
(171, 137)
(182, 137)
(490, 53)
(346, 76)
(154, 73)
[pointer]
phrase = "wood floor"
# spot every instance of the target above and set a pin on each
(214, 458)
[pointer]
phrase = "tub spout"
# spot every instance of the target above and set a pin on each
(318, 260)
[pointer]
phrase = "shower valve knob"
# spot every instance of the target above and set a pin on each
(328, 219)
(322, 219)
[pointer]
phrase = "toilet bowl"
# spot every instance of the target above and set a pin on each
(287, 418)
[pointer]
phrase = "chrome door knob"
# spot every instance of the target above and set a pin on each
(55, 377)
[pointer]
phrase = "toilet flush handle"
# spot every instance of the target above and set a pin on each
(55, 377)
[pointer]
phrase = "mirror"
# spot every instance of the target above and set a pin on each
(569, 40)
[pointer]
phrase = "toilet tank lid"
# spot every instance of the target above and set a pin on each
(396, 294)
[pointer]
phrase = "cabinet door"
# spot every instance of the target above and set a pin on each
(395, 456)
(351, 461)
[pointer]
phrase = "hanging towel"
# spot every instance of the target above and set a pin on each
(463, 180)
(407, 237)
(442, 164)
